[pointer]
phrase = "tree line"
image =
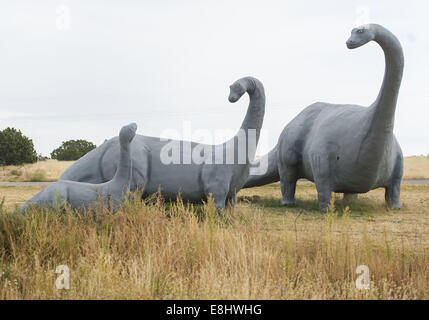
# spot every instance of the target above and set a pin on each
(17, 149)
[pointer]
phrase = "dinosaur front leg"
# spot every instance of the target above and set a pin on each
(219, 193)
(216, 181)
(220, 202)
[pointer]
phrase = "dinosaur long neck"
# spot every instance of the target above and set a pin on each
(382, 112)
(123, 173)
(252, 123)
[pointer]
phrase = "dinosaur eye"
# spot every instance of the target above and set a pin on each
(237, 84)
(361, 31)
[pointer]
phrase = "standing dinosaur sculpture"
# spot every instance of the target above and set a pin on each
(343, 148)
(82, 194)
(202, 169)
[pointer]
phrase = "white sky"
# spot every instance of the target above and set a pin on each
(168, 64)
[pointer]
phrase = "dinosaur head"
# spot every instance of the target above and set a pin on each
(237, 89)
(127, 133)
(360, 36)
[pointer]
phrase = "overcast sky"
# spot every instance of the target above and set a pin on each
(81, 69)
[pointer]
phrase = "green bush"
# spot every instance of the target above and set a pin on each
(15, 172)
(15, 148)
(38, 176)
(72, 150)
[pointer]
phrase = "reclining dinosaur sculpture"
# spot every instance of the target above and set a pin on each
(343, 148)
(82, 194)
(201, 169)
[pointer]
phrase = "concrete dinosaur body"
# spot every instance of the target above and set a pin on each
(199, 169)
(343, 148)
(81, 194)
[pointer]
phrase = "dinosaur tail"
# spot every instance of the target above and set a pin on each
(263, 170)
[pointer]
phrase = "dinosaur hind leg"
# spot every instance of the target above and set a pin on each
(323, 194)
(288, 178)
(392, 196)
(322, 176)
(393, 190)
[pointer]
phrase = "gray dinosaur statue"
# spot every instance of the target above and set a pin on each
(343, 148)
(198, 169)
(82, 194)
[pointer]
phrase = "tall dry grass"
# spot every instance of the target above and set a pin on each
(159, 250)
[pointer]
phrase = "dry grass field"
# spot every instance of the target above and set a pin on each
(49, 170)
(416, 167)
(259, 250)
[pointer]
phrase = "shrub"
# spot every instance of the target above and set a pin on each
(72, 150)
(38, 175)
(15, 148)
(15, 172)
